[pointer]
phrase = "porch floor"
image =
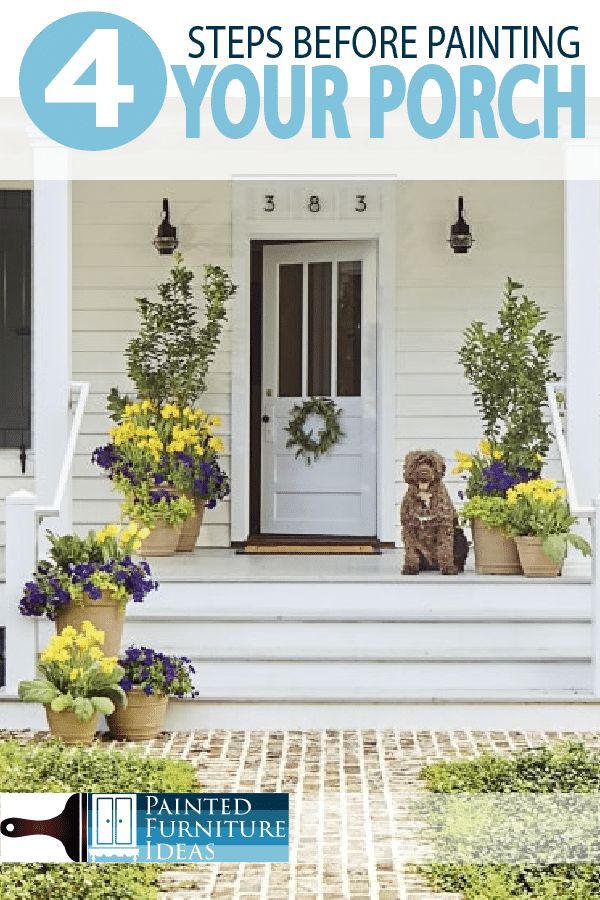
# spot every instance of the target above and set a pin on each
(226, 565)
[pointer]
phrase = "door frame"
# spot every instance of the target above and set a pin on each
(338, 220)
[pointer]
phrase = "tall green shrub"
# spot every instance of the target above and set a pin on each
(168, 360)
(507, 368)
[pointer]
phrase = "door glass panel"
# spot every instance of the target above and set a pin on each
(349, 314)
(290, 330)
(319, 329)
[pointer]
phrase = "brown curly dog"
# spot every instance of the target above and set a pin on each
(432, 539)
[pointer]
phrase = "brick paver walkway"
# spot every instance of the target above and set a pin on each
(348, 805)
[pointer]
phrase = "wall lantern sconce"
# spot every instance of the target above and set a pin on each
(461, 239)
(166, 236)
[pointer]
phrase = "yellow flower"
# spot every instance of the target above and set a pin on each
(137, 546)
(82, 642)
(497, 454)
(74, 674)
(216, 421)
(143, 533)
(485, 448)
(68, 632)
(101, 537)
(107, 664)
(216, 444)
(112, 530)
(146, 405)
(61, 656)
(96, 653)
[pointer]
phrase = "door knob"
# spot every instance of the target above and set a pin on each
(266, 418)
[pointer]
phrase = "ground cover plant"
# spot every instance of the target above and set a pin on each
(566, 768)
(49, 766)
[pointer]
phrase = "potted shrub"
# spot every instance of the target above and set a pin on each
(90, 578)
(508, 367)
(538, 517)
(149, 679)
(160, 454)
(77, 682)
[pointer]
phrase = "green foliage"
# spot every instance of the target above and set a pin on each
(491, 510)
(169, 359)
(146, 511)
(538, 508)
(308, 445)
(508, 368)
(567, 768)
(49, 766)
(76, 675)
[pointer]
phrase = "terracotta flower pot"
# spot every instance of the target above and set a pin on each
(495, 554)
(536, 563)
(191, 528)
(162, 540)
(141, 719)
(104, 613)
(69, 728)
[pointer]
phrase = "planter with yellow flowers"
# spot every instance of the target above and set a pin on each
(539, 519)
(90, 578)
(164, 459)
(77, 682)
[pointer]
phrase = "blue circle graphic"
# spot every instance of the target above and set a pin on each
(107, 81)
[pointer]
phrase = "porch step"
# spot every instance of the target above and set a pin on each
(377, 641)
(348, 632)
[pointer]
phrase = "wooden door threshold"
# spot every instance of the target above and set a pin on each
(298, 545)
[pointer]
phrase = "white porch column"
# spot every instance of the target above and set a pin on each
(21, 631)
(51, 325)
(582, 325)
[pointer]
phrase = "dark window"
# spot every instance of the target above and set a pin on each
(15, 318)
(319, 329)
(348, 329)
(290, 330)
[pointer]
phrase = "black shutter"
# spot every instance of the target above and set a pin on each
(15, 319)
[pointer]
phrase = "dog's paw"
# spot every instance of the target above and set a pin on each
(449, 570)
(410, 570)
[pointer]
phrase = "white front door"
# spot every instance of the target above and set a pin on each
(319, 340)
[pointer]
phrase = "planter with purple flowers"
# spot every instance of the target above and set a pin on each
(92, 579)
(202, 480)
(164, 459)
(489, 476)
(150, 678)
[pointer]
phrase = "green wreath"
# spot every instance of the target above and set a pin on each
(307, 445)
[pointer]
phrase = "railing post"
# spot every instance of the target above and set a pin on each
(21, 631)
(595, 598)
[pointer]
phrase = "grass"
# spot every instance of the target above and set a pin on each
(567, 768)
(50, 766)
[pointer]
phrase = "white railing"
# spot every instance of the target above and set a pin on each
(589, 513)
(23, 519)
